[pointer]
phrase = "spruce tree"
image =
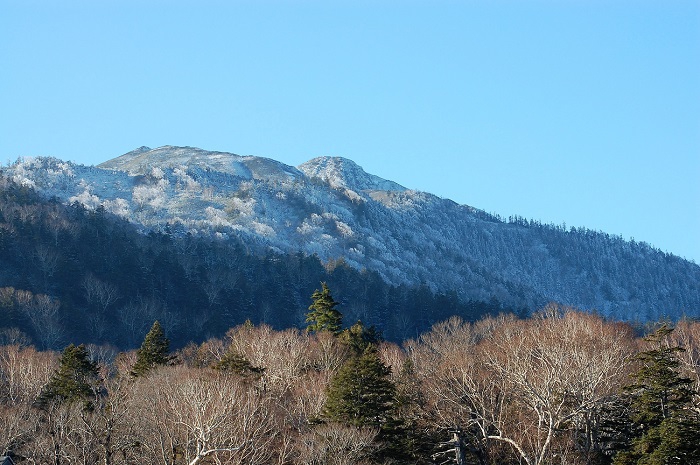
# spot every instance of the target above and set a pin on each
(666, 427)
(75, 379)
(153, 351)
(361, 393)
(323, 315)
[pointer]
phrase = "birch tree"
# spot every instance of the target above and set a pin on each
(195, 414)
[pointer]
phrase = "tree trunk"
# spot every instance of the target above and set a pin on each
(459, 448)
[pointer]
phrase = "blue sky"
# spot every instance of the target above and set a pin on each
(567, 111)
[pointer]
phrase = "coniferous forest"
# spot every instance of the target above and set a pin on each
(123, 348)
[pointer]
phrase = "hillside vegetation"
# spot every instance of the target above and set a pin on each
(330, 208)
(71, 274)
(563, 387)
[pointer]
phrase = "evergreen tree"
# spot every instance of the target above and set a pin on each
(323, 316)
(407, 437)
(614, 430)
(233, 362)
(153, 352)
(358, 337)
(667, 428)
(361, 393)
(75, 379)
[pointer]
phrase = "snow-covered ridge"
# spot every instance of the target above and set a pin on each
(142, 160)
(341, 173)
(332, 208)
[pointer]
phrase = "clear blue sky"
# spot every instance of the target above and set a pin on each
(583, 112)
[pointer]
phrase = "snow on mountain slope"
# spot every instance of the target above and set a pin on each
(341, 173)
(332, 208)
(142, 161)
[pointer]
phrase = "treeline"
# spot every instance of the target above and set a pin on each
(563, 387)
(70, 274)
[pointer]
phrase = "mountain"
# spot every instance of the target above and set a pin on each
(331, 208)
(79, 275)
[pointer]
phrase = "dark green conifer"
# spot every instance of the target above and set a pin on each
(358, 337)
(75, 379)
(153, 352)
(233, 362)
(361, 393)
(666, 428)
(323, 315)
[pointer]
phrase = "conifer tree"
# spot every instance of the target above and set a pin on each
(358, 337)
(75, 379)
(667, 428)
(361, 393)
(233, 362)
(323, 315)
(153, 351)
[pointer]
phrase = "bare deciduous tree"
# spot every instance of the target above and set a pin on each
(109, 424)
(528, 381)
(335, 444)
(23, 372)
(196, 414)
(47, 259)
(42, 311)
(99, 293)
(687, 336)
(261, 346)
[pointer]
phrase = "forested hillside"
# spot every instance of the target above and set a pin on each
(250, 360)
(70, 274)
(332, 209)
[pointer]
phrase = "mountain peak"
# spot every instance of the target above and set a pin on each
(143, 159)
(342, 173)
